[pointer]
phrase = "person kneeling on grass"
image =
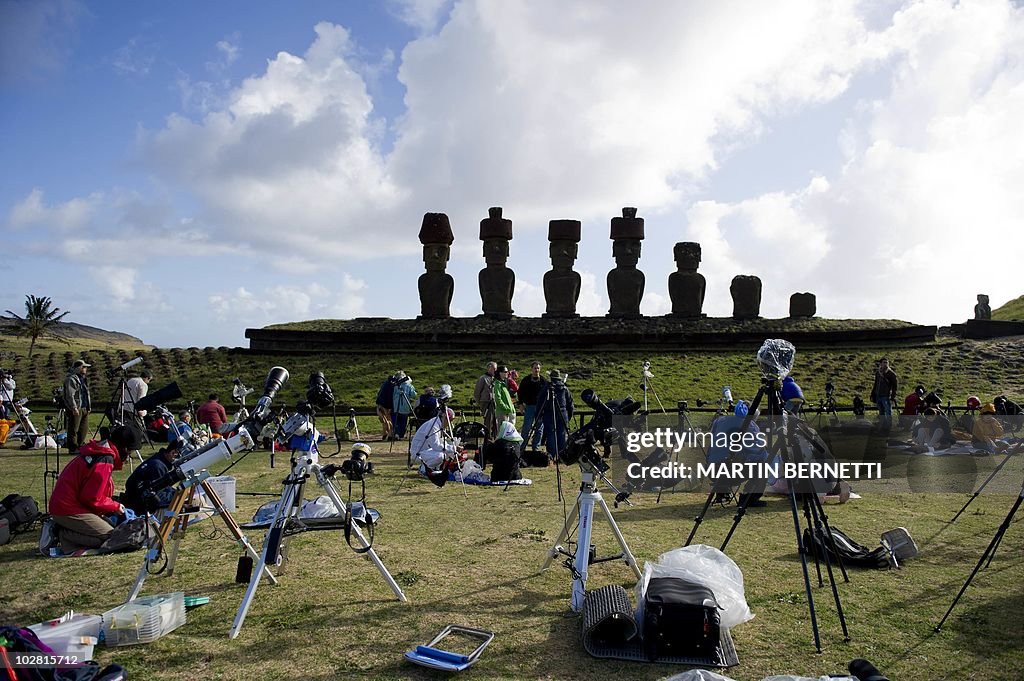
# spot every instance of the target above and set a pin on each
(82, 498)
(932, 431)
(433, 444)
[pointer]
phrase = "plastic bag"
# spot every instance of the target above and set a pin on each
(705, 565)
(699, 675)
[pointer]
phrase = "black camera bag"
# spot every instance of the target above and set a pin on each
(19, 511)
(677, 623)
(503, 456)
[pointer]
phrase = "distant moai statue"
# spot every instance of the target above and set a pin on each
(686, 285)
(497, 282)
(626, 282)
(436, 286)
(746, 296)
(561, 282)
(982, 309)
(803, 305)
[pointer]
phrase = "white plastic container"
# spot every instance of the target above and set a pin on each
(74, 638)
(144, 620)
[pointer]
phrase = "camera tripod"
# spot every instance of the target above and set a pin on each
(305, 464)
(583, 510)
(826, 409)
(51, 429)
(814, 512)
(1009, 452)
(647, 384)
(989, 553)
(123, 400)
(25, 429)
(176, 520)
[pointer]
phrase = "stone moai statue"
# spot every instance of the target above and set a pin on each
(803, 305)
(561, 282)
(436, 286)
(626, 282)
(686, 286)
(746, 296)
(982, 309)
(497, 282)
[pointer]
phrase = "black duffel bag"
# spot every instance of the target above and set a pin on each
(681, 619)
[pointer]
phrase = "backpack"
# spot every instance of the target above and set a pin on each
(19, 511)
(678, 622)
(503, 456)
(852, 553)
(26, 641)
(130, 536)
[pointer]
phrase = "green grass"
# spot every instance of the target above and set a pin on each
(1011, 311)
(984, 368)
(472, 556)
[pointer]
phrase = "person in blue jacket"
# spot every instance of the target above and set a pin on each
(722, 431)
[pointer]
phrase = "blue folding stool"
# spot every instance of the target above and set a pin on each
(447, 661)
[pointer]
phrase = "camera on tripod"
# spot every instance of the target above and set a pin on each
(358, 465)
(318, 391)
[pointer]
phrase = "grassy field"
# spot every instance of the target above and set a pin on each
(958, 368)
(471, 557)
(1013, 310)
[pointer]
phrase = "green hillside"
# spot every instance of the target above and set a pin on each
(1011, 311)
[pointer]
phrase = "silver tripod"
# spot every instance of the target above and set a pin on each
(584, 511)
(306, 465)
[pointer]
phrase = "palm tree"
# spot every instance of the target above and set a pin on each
(39, 320)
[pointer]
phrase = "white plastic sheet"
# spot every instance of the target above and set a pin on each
(705, 565)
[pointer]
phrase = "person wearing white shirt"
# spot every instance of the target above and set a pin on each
(432, 443)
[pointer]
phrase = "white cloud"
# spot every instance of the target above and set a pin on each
(229, 49)
(420, 14)
(32, 211)
(287, 303)
(117, 282)
(134, 58)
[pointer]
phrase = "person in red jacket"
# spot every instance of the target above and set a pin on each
(212, 414)
(83, 496)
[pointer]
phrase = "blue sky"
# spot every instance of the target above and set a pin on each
(182, 171)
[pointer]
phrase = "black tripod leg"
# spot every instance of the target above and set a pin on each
(812, 525)
(831, 539)
(803, 564)
(984, 484)
(823, 529)
(991, 548)
(700, 518)
(741, 510)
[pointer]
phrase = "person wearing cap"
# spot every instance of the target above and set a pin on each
(433, 443)
(82, 497)
(503, 453)
(987, 430)
(78, 402)
(913, 405)
(555, 408)
(426, 407)
(148, 472)
(402, 404)
(529, 390)
(792, 395)
(504, 404)
(184, 426)
(135, 389)
(965, 424)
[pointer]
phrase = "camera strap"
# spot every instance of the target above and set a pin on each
(348, 520)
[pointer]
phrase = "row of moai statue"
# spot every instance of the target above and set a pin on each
(562, 284)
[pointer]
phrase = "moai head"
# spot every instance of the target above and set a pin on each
(564, 236)
(436, 237)
(687, 255)
(495, 232)
(627, 232)
(982, 299)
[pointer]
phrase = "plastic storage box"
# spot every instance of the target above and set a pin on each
(144, 620)
(74, 637)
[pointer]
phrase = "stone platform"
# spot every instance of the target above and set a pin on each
(586, 334)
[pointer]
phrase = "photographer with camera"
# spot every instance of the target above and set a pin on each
(134, 390)
(555, 408)
(792, 395)
(402, 404)
(82, 497)
(720, 453)
(432, 444)
(142, 478)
